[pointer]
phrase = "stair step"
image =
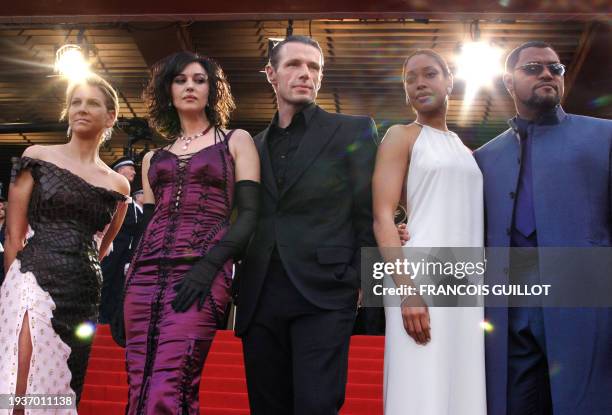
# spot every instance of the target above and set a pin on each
(223, 388)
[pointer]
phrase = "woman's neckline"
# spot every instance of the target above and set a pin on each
(434, 128)
(78, 177)
(193, 153)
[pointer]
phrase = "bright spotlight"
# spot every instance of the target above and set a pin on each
(70, 63)
(85, 330)
(478, 64)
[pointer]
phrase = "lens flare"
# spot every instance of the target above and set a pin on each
(70, 63)
(478, 64)
(85, 330)
(351, 148)
(554, 369)
(600, 102)
(486, 326)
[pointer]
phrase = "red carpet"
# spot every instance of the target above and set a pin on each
(223, 387)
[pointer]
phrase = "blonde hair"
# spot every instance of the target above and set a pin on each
(111, 99)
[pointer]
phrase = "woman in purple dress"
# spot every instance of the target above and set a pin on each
(178, 285)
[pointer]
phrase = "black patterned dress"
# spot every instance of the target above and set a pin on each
(56, 278)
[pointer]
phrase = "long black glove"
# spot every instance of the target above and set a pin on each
(117, 322)
(198, 280)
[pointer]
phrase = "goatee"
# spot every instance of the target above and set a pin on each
(542, 104)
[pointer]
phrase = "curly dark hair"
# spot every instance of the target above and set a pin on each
(162, 114)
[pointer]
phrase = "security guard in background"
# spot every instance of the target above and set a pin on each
(115, 264)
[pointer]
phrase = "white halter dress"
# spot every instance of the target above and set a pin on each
(445, 209)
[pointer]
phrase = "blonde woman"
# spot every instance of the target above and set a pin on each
(67, 194)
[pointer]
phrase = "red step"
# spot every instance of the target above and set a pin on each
(223, 387)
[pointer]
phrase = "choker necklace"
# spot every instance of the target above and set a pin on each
(188, 139)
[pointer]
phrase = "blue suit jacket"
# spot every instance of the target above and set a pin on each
(572, 197)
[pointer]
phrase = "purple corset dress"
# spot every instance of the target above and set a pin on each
(166, 350)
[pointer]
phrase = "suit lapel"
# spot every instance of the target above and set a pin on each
(267, 174)
(318, 134)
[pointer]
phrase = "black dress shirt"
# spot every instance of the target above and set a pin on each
(284, 142)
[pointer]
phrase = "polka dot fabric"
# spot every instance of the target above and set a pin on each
(49, 372)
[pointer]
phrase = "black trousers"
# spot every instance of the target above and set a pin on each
(113, 271)
(296, 354)
(528, 390)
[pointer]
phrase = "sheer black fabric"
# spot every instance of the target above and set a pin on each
(198, 280)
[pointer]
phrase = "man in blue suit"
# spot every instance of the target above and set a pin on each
(547, 183)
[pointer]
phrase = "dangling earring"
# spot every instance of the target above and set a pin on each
(106, 135)
(69, 131)
(169, 104)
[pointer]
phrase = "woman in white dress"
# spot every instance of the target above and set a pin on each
(434, 356)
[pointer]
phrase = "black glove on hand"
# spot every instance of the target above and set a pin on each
(198, 280)
(195, 286)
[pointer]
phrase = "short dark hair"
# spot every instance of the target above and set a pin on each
(158, 96)
(306, 40)
(513, 56)
(431, 53)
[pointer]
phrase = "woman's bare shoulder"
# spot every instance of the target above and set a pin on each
(401, 136)
(43, 152)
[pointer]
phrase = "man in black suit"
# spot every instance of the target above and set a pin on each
(113, 265)
(299, 279)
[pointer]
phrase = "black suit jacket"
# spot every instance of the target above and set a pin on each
(124, 243)
(321, 218)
